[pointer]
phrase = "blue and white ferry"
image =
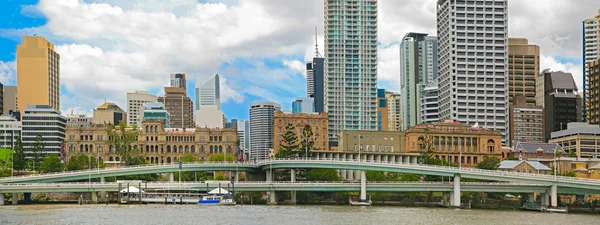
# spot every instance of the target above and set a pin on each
(216, 200)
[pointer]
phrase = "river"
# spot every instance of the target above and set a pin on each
(260, 214)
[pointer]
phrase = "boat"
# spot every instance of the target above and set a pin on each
(361, 203)
(216, 200)
(556, 210)
(536, 206)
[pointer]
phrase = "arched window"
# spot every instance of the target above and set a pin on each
(111, 159)
(147, 159)
(156, 129)
(151, 160)
(80, 148)
(220, 149)
(152, 148)
(193, 149)
(211, 149)
(202, 149)
(147, 148)
(168, 159)
(168, 148)
(117, 159)
(187, 149)
(228, 149)
(147, 131)
(155, 159)
(180, 148)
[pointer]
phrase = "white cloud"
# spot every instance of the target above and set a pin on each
(8, 72)
(295, 66)
(388, 68)
(548, 62)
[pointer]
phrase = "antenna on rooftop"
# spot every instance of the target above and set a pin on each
(317, 54)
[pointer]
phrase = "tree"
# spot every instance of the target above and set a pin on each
(426, 147)
(572, 154)
(19, 161)
(121, 137)
(512, 158)
(289, 143)
(219, 158)
(322, 175)
(489, 163)
(51, 164)
(37, 152)
(82, 162)
(307, 143)
(190, 176)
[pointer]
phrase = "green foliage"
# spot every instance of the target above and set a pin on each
(6, 158)
(220, 176)
(322, 175)
(376, 176)
(289, 144)
(512, 158)
(121, 138)
(138, 160)
(83, 162)
(489, 163)
(572, 154)
(188, 158)
(190, 176)
(19, 161)
(569, 174)
(308, 142)
(5, 173)
(51, 164)
(37, 152)
(219, 158)
(426, 147)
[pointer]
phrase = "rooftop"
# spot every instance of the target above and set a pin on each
(533, 147)
(511, 164)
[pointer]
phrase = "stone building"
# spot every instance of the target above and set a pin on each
(156, 143)
(318, 123)
(452, 140)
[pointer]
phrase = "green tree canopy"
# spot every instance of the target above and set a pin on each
(289, 144)
(19, 161)
(37, 152)
(51, 164)
(307, 144)
(322, 175)
(512, 158)
(219, 158)
(187, 158)
(426, 147)
(489, 163)
(83, 162)
(122, 137)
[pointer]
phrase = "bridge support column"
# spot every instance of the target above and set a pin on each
(102, 180)
(455, 195)
(1, 198)
(363, 186)
(236, 174)
(15, 198)
(293, 193)
(531, 197)
(545, 199)
(94, 197)
(554, 197)
(451, 199)
(171, 178)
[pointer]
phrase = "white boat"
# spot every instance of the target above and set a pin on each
(216, 200)
(355, 203)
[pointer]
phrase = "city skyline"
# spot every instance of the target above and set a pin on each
(263, 72)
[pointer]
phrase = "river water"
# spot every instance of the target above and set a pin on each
(255, 214)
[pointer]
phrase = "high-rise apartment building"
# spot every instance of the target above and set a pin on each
(429, 104)
(591, 52)
(180, 107)
(382, 110)
(593, 107)
(526, 122)
(560, 102)
(109, 113)
(135, 106)
(418, 67)
(473, 62)
(351, 66)
(303, 105)
(178, 80)
(261, 128)
(243, 129)
(208, 91)
(523, 69)
(9, 100)
(38, 73)
(48, 123)
(394, 103)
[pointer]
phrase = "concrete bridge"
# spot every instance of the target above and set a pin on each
(551, 183)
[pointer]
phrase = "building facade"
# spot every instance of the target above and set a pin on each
(38, 68)
(135, 106)
(371, 141)
(243, 129)
(526, 122)
(155, 143)
(523, 68)
(180, 107)
(178, 80)
(315, 82)
(48, 123)
(210, 116)
(455, 142)
(394, 103)
(157, 111)
(317, 122)
(473, 63)
(560, 102)
(591, 51)
(429, 104)
(593, 92)
(10, 130)
(9, 100)
(109, 113)
(382, 110)
(418, 68)
(303, 105)
(581, 138)
(208, 91)
(261, 129)
(76, 120)
(351, 66)
(536, 151)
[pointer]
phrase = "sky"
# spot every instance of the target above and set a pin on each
(258, 47)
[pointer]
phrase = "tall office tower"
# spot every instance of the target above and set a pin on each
(47, 122)
(523, 69)
(178, 80)
(382, 110)
(135, 106)
(394, 103)
(429, 104)
(526, 121)
(418, 67)
(351, 67)
(593, 114)
(310, 80)
(180, 107)
(591, 52)
(560, 102)
(243, 129)
(473, 63)
(303, 105)
(9, 100)
(261, 128)
(38, 73)
(315, 82)
(208, 91)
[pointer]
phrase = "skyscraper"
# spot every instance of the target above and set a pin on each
(261, 128)
(38, 73)
(243, 129)
(429, 104)
(180, 107)
(208, 91)
(523, 69)
(591, 52)
(560, 102)
(473, 63)
(351, 66)
(178, 80)
(382, 110)
(135, 106)
(303, 105)
(315, 82)
(418, 68)
(394, 112)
